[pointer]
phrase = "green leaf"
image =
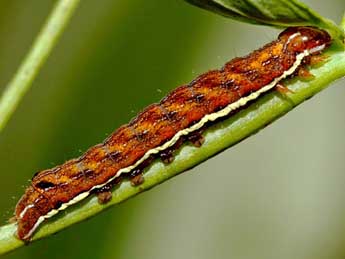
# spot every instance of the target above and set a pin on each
(278, 13)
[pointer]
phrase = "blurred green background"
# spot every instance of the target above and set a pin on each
(279, 194)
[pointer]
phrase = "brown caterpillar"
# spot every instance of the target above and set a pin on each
(160, 127)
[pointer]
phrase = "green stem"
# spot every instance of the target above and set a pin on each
(37, 55)
(342, 24)
(217, 138)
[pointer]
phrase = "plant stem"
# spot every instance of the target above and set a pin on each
(217, 138)
(39, 52)
(342, 24)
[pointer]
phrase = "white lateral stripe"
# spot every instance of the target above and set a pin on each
(38, 222)
(208, 117)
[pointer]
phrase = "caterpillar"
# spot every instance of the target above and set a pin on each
(160, 128)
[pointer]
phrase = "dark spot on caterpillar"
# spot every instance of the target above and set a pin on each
(114, 155)
(44, 185)
(199, 97)
(147, 162)
(252, 75)
(108, 186)
(88, 173)
(270, 60)
(141, 135)
(230, 84)
(167, 155)
(167, 114)
(135, 172)
(172, 115)
(58, 205)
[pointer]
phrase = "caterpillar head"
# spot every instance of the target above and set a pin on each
(300, 39)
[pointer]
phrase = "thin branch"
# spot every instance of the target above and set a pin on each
(40, 50)
(218, 137)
